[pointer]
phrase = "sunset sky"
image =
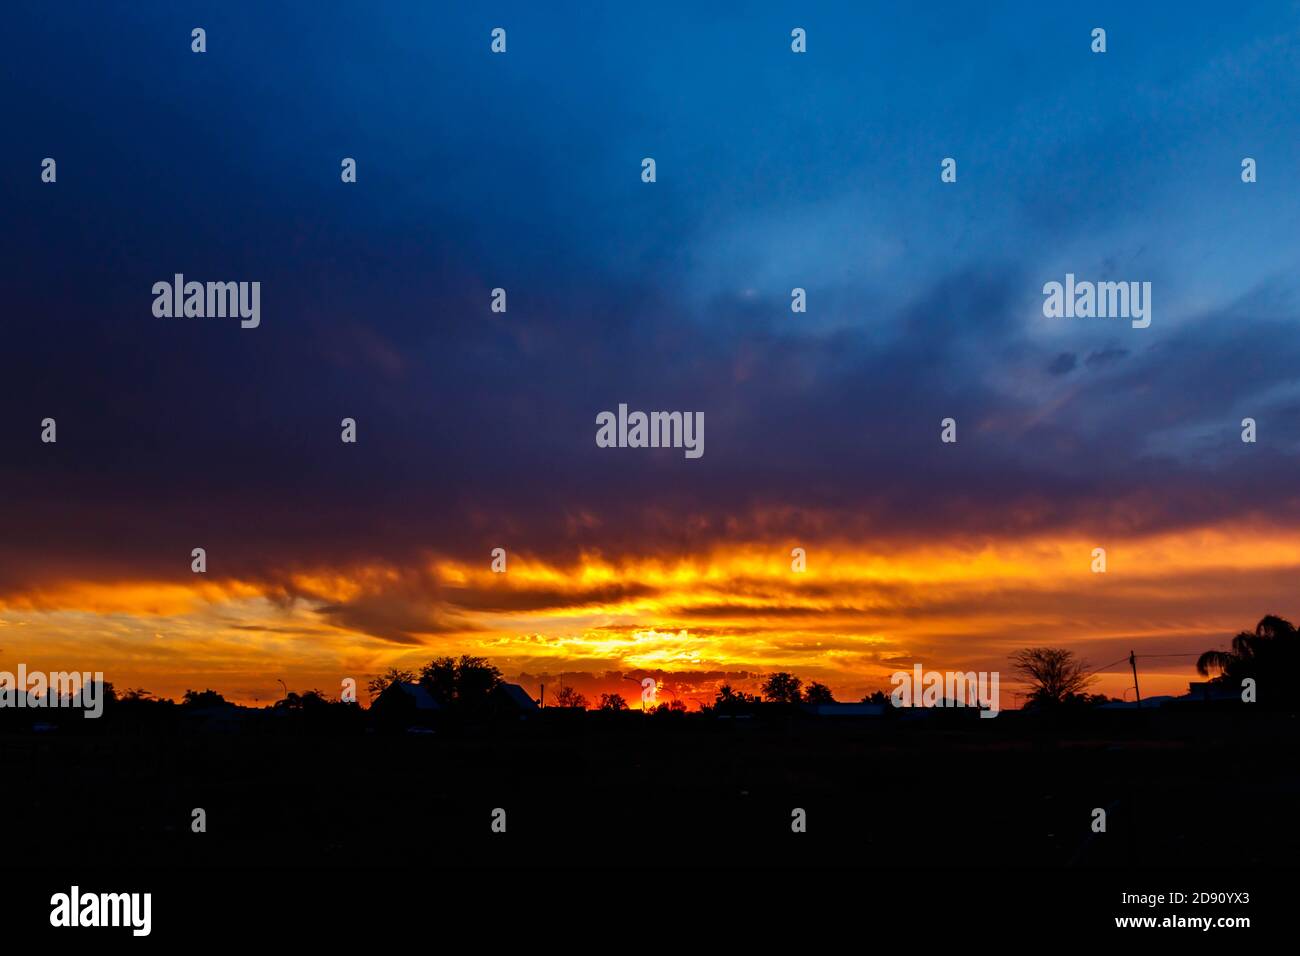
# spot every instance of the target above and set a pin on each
(477, 430)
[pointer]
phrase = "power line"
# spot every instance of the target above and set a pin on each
(1125, 659)
(1122, 660)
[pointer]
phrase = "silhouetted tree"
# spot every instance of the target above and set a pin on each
(876, 697)
(1269, 655)
(730, 699)
(818, 693)
(1055, 675)
(1096, 700)
(462, 685)
(393, 675)
(202, 698)
(671, 708)
(612, 702)
(782, 688)
(476, 679)
(308, 701)
(568, 697)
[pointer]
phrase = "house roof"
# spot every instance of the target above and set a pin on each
(517, 696)
(222, 711)
(423, 699)
(846, 709)
(1156, 701)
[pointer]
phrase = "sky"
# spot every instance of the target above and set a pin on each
(476, 429)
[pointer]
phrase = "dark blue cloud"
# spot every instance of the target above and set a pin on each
(1063, 364)
(522, 171)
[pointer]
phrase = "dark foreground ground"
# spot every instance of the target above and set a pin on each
(943, 830)
(1179, 790)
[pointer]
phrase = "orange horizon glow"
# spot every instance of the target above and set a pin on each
(852, 618)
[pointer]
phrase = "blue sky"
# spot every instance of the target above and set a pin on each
(522, 171)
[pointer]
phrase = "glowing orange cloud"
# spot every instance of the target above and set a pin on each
(854, 616)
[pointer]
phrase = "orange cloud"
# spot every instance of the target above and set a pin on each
(850, 619)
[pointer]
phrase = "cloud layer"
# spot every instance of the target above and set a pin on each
(476, 429)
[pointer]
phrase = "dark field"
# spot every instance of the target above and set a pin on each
(1193, 789)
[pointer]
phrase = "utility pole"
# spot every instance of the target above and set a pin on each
(1132, 662)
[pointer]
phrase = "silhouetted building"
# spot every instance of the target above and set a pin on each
(223, 718)
(1147, 702)
(513, 700)
(1207, 691)
(401, 705)
(847, 709)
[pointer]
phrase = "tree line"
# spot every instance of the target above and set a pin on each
(1268, 655)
